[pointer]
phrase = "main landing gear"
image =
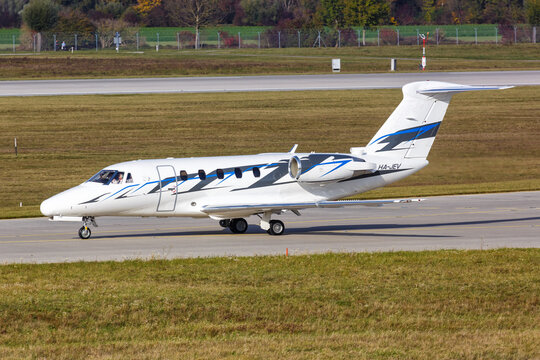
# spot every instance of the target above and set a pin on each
(240, 226)
(84, 231)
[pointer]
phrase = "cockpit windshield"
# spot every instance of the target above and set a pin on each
(107, 177)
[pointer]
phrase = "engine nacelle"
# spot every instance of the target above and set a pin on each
(321, 168)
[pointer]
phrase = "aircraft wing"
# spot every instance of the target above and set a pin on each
(250, 209)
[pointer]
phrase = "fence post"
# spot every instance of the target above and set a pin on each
(137, 34)
(298, 39)
(533, 35)
(34, 42)
(457, 36)
(437, 32)
(339, 38)
(515, 34)
(378, 38)
(75, 42)
(279, 39)
(96, 41)
(239, 41)
(54, 39)
(358, 37)
(259, 39)
(496, 36)
(417, 37)
(319, 38)
(397, 30)
(218, 41)
(14, 42)
(475, 36)
(157, 40)
(178, 40)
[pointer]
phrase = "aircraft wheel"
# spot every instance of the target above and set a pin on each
(84, 232)
(238, 226)
(276, 227)
(224, 223)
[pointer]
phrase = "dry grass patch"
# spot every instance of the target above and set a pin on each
(444, 304)
(266, 61)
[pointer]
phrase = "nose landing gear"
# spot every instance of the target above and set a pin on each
(84, 231)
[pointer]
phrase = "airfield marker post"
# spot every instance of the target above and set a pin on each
(363, 37)
(16, 152)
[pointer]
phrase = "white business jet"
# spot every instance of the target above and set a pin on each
(232, 188)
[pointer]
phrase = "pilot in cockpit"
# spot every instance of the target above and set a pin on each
(118, 178)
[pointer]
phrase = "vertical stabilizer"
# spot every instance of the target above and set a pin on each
(410, 130)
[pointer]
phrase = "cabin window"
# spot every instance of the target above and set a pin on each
(183, 175)
(238, 172)
(105, 177)
(220, 174)
(202, 175)
(129, 179)
(256, 172)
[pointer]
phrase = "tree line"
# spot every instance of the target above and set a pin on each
(100, 15)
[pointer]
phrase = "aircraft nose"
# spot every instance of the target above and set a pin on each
(48, 207)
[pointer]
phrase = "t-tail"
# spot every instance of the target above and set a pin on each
(410, 130)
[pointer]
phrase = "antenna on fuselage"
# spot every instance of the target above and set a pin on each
(293, 149)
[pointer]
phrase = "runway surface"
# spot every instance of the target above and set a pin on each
(259, 83)
(450, 222)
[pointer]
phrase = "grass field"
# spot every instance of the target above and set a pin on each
(442, 305)
(90, 64)
(489, 141)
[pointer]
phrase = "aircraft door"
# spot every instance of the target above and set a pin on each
(167, 188)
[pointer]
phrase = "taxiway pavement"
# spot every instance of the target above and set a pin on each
(449, 222)
(258, 83)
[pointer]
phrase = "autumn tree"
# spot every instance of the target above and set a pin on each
(39, 16)
(144, 7)
(365, 13)
(193, 13)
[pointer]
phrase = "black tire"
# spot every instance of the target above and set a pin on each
(85, 232)
(224, 223)
(276, 227)
(238, 226)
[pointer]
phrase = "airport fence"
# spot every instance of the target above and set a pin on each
(259, 37)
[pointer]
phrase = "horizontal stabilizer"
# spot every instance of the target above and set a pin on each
(456, 88)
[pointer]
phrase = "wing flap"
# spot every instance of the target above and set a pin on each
(259, 208)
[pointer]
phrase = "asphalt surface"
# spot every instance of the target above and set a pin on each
(259, 83)
(450, 222)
